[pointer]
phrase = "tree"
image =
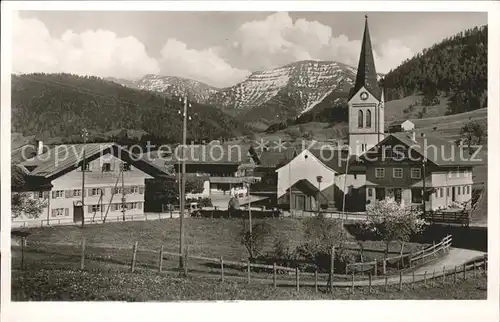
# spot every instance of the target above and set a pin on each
(254, 242)
(392, 222)
(473, 134)
(21, 202)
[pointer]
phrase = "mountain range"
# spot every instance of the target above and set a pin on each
(265, 96)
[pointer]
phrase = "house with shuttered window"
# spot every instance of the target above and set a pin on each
(112, 173)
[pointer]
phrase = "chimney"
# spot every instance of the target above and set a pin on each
(39, 148)
(422, 135)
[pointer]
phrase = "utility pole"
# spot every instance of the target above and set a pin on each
(290, 184)
(123, 193)
(183, 184)
(250, 213)
(84, 135)
(318, 178)
(424, 194)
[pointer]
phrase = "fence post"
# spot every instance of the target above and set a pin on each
(222, 269)
(400, 281)
(433, 277)
(297, 278)
(485, 264)
(332, 263)
(23, 242)
(186, 261)
(248, 271)
(134, 254)
(385, 284)
(384, 266)
(316, 280)
(82, 256)
(455, 275)
(413, 280)
(425, 278)
(161, 258)
(410, 258)
(352, 283)
(375, 268)
(370, 282)
(274, 275)
(465, 272)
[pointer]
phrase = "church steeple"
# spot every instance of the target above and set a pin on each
(367, 75)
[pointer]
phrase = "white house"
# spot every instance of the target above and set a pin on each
(407, 126)
(56, 177)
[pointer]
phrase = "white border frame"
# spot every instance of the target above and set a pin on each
(407, 311)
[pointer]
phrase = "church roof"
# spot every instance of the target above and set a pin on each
(366, 75)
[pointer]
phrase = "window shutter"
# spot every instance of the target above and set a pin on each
(67, 193)
(141, 190)
(139, 205)
(103, 191)
(90, 209)
(45, 194)
(66, 211)
(84, 192)
(53, 194)
(90, 192)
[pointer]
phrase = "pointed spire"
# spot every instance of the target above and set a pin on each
(367, 75)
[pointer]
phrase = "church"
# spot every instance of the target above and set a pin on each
(366, 129)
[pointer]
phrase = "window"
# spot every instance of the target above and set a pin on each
(397, 194)
(96, 208)
(126, 166)
(118, 190)
(60, 212)
(360, 119)
(441, 192)
(40, 194)
(379, 173)
(448, 191)
(134, 189)
(95, 192)
(416, 173)
(416, 195)
(368, 118)
(57, 194)
(468, 189)
(380, 193)
(458, 190)
(86, 166)
(449, 174)
(370, 192)
(106, 167)
(77, 193)
(466, 173)
(397, 172)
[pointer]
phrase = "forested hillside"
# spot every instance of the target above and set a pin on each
(60, 105)
(457, 67)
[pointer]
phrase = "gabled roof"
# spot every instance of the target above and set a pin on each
(436, 150)
(67, 157)
(366, 76)
(273, 159)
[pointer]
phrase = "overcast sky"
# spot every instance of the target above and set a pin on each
(218, 48)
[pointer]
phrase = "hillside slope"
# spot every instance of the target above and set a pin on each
(456, 66)
(171, 86)
(60, 105)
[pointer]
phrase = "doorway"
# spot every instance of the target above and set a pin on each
(77, 213)
(453, 194)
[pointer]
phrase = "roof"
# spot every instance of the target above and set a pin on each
(63, 158)
(436, 150)
(273, 159)
(232, 179)
(212, 154)
(366, 75)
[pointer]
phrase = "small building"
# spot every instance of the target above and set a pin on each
(305, 196)
(403, 164)
(401, 126)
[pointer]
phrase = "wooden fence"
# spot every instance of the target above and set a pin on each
(310, 279)
(402, 261)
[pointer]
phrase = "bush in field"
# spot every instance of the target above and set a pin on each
(392, 222)
(254, 242)
(206, 202)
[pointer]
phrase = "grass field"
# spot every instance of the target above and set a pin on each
(64, 285)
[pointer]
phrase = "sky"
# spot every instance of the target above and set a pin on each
(218, 48)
